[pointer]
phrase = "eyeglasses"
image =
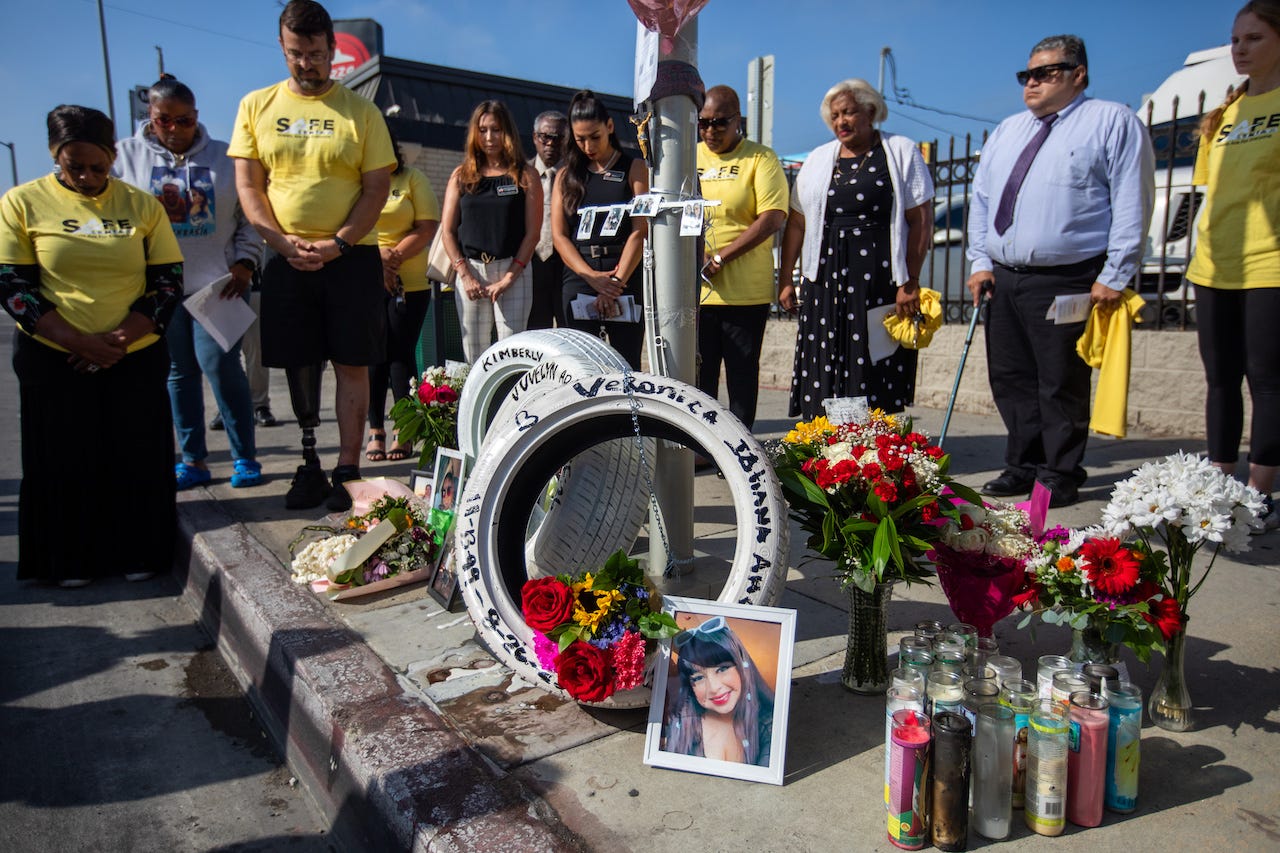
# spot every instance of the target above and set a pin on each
(548, 137)
(717, 123)
(315, 57)
(706, 630)
(1041, 73)
(174, 121)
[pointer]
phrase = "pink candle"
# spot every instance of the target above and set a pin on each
(1086, 758)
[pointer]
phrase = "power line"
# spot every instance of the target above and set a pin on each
(902, 95)
(189, 26)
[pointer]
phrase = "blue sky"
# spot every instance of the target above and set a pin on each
(953, 56)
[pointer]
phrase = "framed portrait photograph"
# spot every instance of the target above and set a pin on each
(444, 583)
(446, 479)
(420, 484)
(722, 690)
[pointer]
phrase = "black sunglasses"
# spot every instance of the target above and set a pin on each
(1042, 73)
(717, 123)
(547, 137)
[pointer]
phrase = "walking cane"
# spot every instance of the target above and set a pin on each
(964, 354)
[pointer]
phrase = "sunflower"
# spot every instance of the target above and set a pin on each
(591, 606)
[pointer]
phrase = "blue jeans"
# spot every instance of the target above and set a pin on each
(193, 351)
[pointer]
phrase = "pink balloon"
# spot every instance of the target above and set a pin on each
(666, 17)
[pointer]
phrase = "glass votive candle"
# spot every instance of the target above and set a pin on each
(905, 676)
(983, 648)
(917, 659)
(1066, 682)
(1046, 666)
(978, 692)
(949, 660)
(950, 641)
(913, 642)
(979, 673)
(1007, 668)
(967, 631)
(946, 692)
(929, 628)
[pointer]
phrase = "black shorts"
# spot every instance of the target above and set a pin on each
(335, 313)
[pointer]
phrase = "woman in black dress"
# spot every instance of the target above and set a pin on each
(868, 196)
(596, 173)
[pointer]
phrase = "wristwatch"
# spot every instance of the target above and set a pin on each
(719, 260)
(247, 263)
(343, 246)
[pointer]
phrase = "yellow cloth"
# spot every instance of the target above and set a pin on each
(912, 334)
(747, 181)
(1237, 239)
(411, 200)
(315, 151)
(1105, 344)
(93, 251)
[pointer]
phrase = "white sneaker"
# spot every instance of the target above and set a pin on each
(73, 583)
(1270, 517)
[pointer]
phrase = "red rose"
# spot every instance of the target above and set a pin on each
(546, 603)
(585, 672)
(1166, 616)
(446, 395)
(426, 393)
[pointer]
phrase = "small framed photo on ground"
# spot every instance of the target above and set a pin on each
(420, 484)
(722, 690)
(446, 479)
(444, 583)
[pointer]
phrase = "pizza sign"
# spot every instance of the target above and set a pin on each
(349, 53)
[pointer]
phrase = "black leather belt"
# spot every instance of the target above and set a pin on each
(1061, 269)
(600, 251)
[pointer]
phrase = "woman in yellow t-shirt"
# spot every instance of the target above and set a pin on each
(1236, 268)
(90, 269)
(405, 227)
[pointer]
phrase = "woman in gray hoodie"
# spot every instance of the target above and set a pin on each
(173, 157)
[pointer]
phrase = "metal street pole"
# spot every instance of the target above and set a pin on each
(673, 341)
(160, 59)
(106, 64)
(13, 161)
(884, 52)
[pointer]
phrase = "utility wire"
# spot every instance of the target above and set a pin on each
(189, 26)
(902, 96)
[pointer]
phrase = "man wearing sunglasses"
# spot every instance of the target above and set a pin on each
(547, 268)
(737, 281)
(1061, 202)
(313, 170)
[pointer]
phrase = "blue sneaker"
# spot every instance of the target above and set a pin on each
(189, 476)
(248, 473)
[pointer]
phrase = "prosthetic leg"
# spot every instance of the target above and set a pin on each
(310, 487)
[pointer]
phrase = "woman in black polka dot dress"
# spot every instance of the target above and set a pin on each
(866, 254)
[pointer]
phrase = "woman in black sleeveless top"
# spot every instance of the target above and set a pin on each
(595, 173)
(491, 221)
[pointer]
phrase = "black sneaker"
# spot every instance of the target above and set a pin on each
(263, 417)
(217, 423)
(309, 487)
(339, 500)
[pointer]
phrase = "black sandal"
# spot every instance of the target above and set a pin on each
(379, 453)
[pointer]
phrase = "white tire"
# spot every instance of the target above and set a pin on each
(529, 443)
(600, 498)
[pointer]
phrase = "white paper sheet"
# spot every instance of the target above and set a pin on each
(1069, 309)
(879, 341)
(226, 320)
(584, 308)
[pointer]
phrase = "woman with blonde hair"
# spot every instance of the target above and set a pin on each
(860, 225)
(1236, 267)
(492, 219)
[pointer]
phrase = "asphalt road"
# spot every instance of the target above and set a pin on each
(120, 727)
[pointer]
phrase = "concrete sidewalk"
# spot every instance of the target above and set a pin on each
(409, 735)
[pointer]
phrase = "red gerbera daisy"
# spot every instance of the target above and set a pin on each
(1112, 567)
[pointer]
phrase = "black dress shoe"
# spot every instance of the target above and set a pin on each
(1009, 484)
(263, 417)
(1062, 494)
(217, 423)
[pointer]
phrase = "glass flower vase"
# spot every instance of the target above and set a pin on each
(1170, 704)
(866, 658)
(1088, 646)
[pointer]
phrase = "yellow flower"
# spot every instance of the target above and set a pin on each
(603, 602)
(810, 431)
(888, 420)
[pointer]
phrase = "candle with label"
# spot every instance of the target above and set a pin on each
(1124, 743)
(1020, 697)
(993, 772)
(1086, 758)
(1046, 799)
(908, 775)
(949, 782)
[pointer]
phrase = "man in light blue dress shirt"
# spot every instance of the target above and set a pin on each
(1061, 203)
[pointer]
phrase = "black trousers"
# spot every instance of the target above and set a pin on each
(1239, 334)
(733, 334)
(548, 281)
(1039, 383)
(404, 325)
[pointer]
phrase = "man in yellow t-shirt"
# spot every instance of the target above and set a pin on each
(738, 280)
(313, 169)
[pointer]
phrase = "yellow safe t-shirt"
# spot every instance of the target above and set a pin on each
(747, 181)
(315, 150)
(1237, 239)
(411, 200)
(93, 251)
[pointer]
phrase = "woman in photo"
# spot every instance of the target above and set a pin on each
(596, 172)
(492, 219)
(723, 706)
(408, 222)
(92, 299)
(861, 225)
(1236, 267)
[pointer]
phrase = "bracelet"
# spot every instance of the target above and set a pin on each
(459, 263)
(614, 278)
(516, 262)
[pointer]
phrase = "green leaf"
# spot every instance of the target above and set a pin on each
(966, 493)
(658, 626)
